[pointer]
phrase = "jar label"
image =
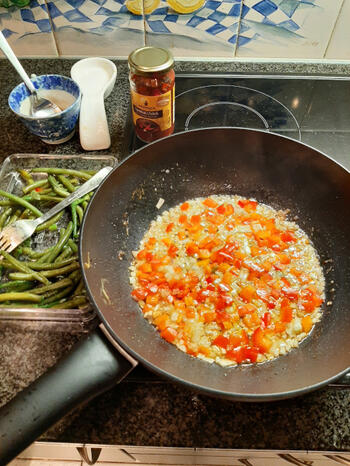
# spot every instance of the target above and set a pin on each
(153, 113)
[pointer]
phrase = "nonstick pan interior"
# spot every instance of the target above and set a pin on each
(273, 169)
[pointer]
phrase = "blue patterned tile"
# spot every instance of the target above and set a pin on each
(289, 7)
(210, 30)
(75, 3)
(27, 15)
(96, 27)
(286, 28)
(158, 26)
(265, 7)
(28, 29)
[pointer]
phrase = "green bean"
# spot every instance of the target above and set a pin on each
(25, 213)
(73, 208)
(59, 190)
(35, 254)
(47, 191)
(6, 203)
(66, 183)
(49, 266)
(14, 217)
(63, 240)
(71, 304)
(80, 288)
(20, 285)
(46, 273)
(4, 216)
(66, 253)
(23, 296)
(90, 172)
(49, 222)
(35, 196)
(80, 213)
(21, 201)
(26, 176)
(23, 268)
(63, 171)
(19, 305)
(55, 298)
(61, 270)
(75, 276)
(72, 245)
(53, 287)
(53, 227)
(34, 185)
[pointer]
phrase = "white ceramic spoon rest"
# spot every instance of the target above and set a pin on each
(96, 78)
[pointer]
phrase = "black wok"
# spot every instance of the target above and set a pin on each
(273, 169)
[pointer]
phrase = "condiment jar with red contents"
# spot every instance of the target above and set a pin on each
(152, 85)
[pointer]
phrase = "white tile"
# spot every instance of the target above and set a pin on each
(254, 15)
(28, 30)
(225, 7)
(229, 21)
(316, 22)
(339, 45)
(108, 30)
(278, 16)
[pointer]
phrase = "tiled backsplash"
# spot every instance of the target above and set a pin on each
(291, 29)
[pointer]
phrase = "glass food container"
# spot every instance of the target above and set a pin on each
(152, 83)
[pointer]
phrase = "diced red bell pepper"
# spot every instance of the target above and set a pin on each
(250, 353)
(246, 309)
(286, 313)
(267, 319)
(310, 299)
(210, 203)
(172, 250)
(169, 227)
(288, 237)
(261, 341)
(248, 205)
(139, 294)
(221, 341)
(247, 293)
(169, 334)
(223, 301)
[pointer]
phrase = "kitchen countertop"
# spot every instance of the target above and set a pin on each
(158, 413)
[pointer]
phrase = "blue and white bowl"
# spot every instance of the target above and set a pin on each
(52, 129)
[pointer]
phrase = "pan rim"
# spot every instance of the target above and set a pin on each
(237, 396)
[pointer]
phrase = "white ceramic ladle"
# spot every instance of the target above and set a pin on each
(96, 78)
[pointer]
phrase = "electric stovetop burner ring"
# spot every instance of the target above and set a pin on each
(232, 105)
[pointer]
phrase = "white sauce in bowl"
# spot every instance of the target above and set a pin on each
(62, 99)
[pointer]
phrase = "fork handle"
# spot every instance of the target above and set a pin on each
(88, 186)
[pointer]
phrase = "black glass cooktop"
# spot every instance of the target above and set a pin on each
(314, 110)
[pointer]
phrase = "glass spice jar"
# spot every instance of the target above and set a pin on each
(152, 86)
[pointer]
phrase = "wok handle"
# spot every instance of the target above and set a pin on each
(92, 367)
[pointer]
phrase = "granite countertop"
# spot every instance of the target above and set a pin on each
(158, 413)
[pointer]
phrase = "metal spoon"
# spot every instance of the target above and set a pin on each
(40, 107)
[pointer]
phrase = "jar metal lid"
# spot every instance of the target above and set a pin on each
(150, 59)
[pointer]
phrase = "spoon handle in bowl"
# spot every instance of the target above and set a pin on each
(4, 45)
(93, 126)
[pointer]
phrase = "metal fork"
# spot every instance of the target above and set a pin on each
(14, 234)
